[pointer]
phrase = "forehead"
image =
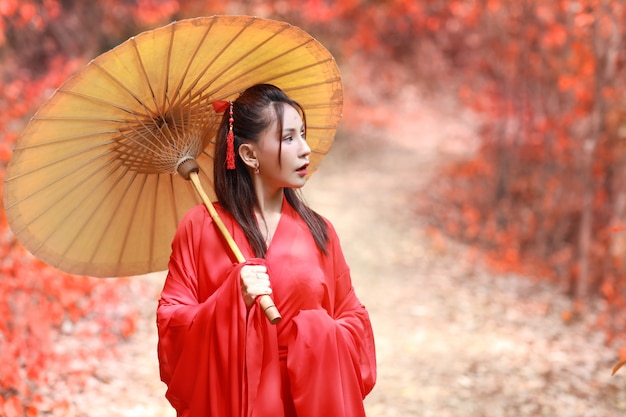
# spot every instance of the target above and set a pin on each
(291, 117)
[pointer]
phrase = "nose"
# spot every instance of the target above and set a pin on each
(305, 148)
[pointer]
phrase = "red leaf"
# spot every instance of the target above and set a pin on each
(13, 407)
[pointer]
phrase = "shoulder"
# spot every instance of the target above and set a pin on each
(333, 236)
(195, 214)
(197, 224)
(198, 217)
(329, 225)
(290, 211)
(200, 213)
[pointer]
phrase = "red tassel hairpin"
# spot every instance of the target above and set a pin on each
(220, 106)
(230, 141)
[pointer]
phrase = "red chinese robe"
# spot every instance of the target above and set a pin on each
(220, 360)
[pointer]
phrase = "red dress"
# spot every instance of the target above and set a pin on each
(219, 360)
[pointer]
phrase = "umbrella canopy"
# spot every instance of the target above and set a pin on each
(92, 188)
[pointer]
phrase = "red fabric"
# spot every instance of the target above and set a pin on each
(219, 360)
(220, 106)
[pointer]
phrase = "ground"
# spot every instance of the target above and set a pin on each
(453, 339)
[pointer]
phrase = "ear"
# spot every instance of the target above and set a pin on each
(248, 155)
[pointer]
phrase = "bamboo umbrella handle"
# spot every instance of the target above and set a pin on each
(266, 302)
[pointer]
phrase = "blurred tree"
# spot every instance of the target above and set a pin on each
(545, 185)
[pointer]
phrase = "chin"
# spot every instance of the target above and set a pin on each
(297, 184)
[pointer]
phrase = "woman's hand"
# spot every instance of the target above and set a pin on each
(254, 282)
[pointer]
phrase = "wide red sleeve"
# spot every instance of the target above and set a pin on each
(216, 358)
(331, 359)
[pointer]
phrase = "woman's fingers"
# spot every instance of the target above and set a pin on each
(254, 282)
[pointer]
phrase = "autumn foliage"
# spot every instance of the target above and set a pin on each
(543, 195)
(39, 49)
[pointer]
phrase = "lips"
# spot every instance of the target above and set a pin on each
(303, 168)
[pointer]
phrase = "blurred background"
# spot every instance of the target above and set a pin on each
(476, 182)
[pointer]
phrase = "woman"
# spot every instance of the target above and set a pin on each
(218, 353)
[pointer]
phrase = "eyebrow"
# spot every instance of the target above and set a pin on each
(291, 129)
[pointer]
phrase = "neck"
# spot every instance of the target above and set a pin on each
(269, 203)
(268, 211)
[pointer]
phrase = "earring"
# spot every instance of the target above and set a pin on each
(256, 168)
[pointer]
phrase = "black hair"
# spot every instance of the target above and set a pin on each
(235, 192)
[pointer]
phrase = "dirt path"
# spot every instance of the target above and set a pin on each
(452, 340)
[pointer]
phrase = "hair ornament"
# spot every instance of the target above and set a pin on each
(220, 106)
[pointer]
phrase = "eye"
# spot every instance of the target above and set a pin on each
(288, 138)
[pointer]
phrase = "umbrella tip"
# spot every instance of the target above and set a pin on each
(186, 167)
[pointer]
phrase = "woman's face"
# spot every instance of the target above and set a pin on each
(290, 148)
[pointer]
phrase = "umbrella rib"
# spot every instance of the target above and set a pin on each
(111, 217)
(121, 122)
(173, 199)
(97, 101)
(149, 112)
(130, 218)
(141, 103)
(112, 212)
(88, 220)
(243, 56)
(211, 62)
(269, 62)
(139, 58)
(55, 201)
(315, 84)
(166, 87)
(191, 59)
(141, 133)
(70, 213)
(122, 86)
(167, 102)
(55, 162)
(295, 71)
(153, 221)
(62, 140)
(326, 105)
(178, 129)
(182, 133)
